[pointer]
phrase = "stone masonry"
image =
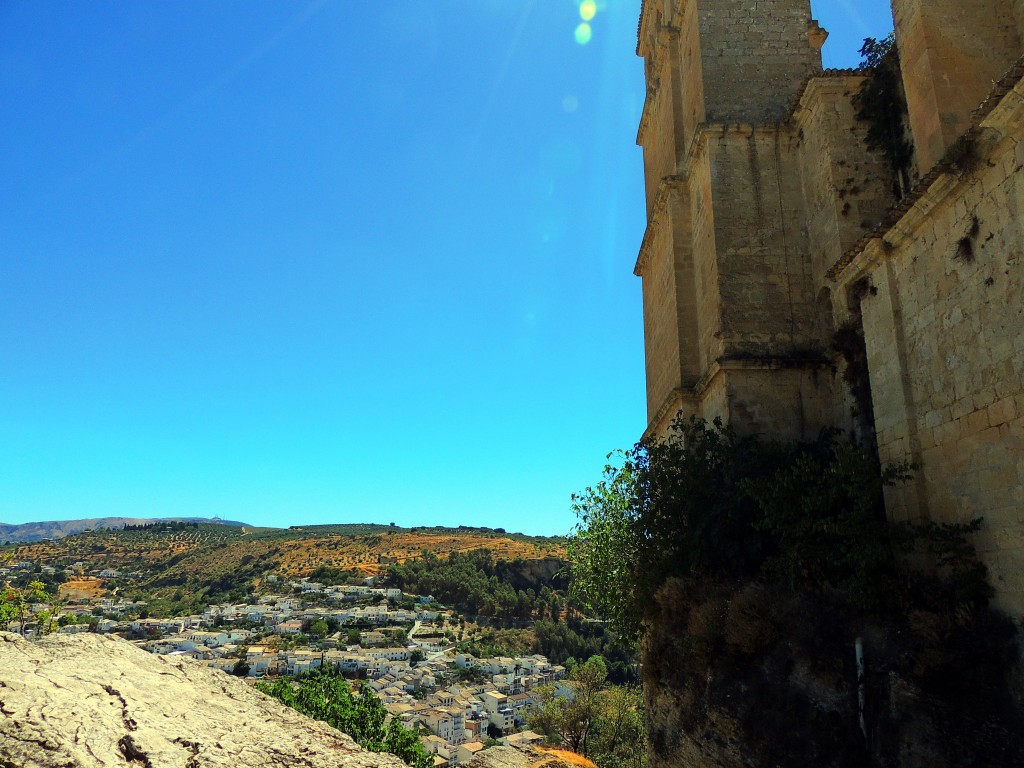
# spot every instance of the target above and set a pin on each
(771, 225)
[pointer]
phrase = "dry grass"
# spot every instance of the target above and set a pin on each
(367, 553)
(566, 757)
(84, 588)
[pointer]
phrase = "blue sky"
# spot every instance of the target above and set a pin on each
(331, 261)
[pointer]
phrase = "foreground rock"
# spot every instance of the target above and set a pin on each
(86, 701)
(508, 757)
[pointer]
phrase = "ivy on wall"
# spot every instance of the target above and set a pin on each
(881, 103)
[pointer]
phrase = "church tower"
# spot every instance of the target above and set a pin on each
(732, 325)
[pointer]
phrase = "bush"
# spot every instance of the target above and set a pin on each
(325, 695)
(704, 503)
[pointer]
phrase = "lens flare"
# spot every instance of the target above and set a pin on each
(584, 33)
(588, 10)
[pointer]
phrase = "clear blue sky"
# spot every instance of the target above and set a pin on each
(332, 261)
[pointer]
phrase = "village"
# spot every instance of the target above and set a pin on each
(400, 647)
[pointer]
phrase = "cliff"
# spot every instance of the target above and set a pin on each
(750, 676)
(86, 701)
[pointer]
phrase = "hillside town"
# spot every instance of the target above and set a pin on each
(396, 645)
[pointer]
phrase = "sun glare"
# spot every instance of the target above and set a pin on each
(588, 10)
(584, 33)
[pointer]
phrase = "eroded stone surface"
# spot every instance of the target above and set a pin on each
(94, 701)
(509, 757)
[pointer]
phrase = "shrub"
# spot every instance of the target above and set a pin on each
(324, 694)
(705, 503)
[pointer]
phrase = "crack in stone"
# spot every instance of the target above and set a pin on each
(132, 753)
(194, 746)
(129, 723)
(42, 743)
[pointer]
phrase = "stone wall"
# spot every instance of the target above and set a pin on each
(952, 52)
(669, 321)
(847, 190)
(726, 279)
(944, 323)
(762, 251)
(754, 62)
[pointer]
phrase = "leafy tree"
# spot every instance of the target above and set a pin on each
(10, 606)
(14, 606)
(324, 694)
(475, 582)
(318, 628)
(619, 736)
(241, 668)
(602, 722)
(582, 639)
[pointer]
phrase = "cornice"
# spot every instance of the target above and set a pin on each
(821, 78)
(665, 188)
(815, 87)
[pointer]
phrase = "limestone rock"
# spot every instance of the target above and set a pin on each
(95, 701)
(510, 757)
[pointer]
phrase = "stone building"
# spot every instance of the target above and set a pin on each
(793, 278)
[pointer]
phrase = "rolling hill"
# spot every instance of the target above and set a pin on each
(218, 561)
(57, 529)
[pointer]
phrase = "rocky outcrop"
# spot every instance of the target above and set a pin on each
(92, 701)
(755, 677)
(509, 757)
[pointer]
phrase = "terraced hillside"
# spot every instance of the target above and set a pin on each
(216, 561)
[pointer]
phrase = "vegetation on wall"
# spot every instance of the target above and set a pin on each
(707, 503)
(880, 102)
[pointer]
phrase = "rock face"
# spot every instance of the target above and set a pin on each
(92, 701)
(509, 757)
(755, 677)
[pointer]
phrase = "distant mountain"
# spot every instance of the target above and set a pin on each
(57, 529)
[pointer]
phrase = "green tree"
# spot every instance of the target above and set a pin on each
(607, 547)
(14, 606)
(599, 721)
(570, 719)
(324, 694)
(318, 628)
(619, 737)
